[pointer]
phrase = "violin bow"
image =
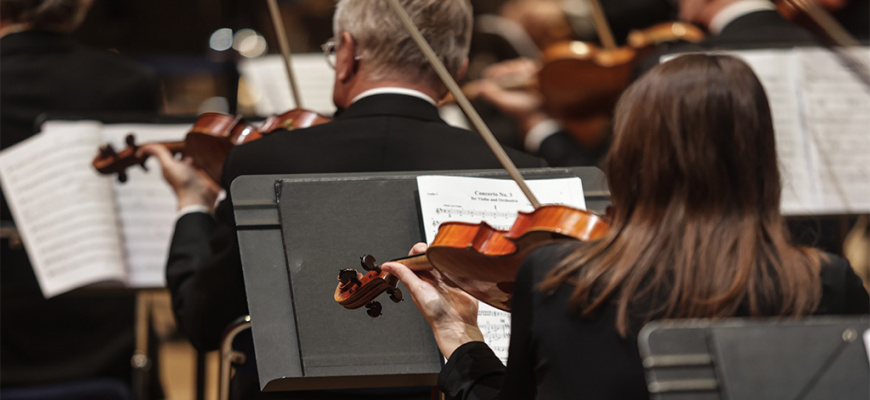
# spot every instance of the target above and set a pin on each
(278, 22)
(602, 27)
(463, 102)
(835, 33)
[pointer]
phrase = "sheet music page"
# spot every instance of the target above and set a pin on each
(146, 205)
(496, 201)
(776, 71)
(270, 87)
(836, 120)
(64, 211)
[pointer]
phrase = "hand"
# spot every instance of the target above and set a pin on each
(191, 185)
(451, 312)
(523, 104)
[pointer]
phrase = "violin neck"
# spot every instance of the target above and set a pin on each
(415, 263)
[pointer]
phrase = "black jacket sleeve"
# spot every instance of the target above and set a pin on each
(204, 276)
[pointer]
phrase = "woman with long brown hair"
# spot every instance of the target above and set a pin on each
(696, 233)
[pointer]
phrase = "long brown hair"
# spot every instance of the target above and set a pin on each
(696, 192)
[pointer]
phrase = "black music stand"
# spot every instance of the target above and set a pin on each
(813, 358)
(296, 232)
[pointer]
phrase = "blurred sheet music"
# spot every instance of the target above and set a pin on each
(80, 227)
(821, 115)
(268, 83)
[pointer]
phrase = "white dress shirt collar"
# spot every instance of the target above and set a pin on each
(394, 90)
(731, 12)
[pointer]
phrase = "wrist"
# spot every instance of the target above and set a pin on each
(450, 338)
(187, 200)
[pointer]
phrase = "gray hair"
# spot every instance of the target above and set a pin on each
(384, 43)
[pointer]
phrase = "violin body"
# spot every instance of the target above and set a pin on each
(479, 259)
(293, 119)
(580, 82)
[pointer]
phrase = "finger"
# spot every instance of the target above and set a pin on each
(158, 151)
(490, 91)
(408, 277)
(419, 248)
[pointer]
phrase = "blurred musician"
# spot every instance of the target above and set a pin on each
(388, 121)
(42, 69)
(730, 24)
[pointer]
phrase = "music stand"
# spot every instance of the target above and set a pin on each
(296, 232)
(813, 358)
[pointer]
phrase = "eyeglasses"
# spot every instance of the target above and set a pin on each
(329, 51)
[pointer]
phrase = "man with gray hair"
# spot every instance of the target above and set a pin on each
(387, 121)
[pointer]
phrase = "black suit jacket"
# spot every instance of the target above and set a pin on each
(386, 132)
(75, 335)
(760, 29)
(557, 354)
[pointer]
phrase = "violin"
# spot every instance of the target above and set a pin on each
(580, 82)
(208, 142)
(477, 258)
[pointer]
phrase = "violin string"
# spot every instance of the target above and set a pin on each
(463, 102)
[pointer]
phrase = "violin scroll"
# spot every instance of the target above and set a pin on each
(355, 290)
(109, 161)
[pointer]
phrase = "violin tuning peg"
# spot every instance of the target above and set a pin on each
(395, 295)
(374, 309)
(131, 140)
(346, 276)
(368, 263)
(107, 151)
(122, 176)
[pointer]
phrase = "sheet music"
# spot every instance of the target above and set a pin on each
(821, 118)
(146, 205)
(64, 211)
(776, 73)
(268, 81)
(496, 201)
(836, 119)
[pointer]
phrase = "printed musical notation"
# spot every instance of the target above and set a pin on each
(495, 201)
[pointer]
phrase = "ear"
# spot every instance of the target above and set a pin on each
(462, 70)
(345, 58)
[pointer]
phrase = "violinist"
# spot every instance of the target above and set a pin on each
(388, 121)
(44, 70)
(696, 233)
(730, 24)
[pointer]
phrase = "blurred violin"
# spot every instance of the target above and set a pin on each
(208, 142)
(580, 82)
(477, 258)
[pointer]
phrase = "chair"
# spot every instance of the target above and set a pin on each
(229, 356)
(812, 358)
